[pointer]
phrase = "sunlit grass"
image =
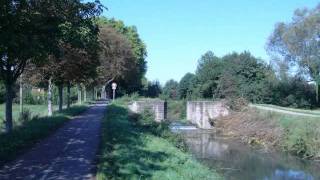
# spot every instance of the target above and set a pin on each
(130, 151)
(36, 110)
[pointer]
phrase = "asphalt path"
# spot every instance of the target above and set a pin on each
(274, 109)
(69, 153)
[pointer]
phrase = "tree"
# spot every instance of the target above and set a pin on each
(185, 85)
(26, 36)
(171, 89)
(138, 49)
(23, 25)
(208, 72)
(153, 89)
(117, 62)
(243, 76)
(298, 42)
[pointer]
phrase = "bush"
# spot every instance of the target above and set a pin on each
(176, 109)
(161, 129)
(24, 116)
(237, 104)
(302, 139)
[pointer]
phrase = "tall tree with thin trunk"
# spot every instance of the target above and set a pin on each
(298, 42)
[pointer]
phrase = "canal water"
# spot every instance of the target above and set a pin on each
(236, 161)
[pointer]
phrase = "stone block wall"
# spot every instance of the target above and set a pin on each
(159, 108)
(201, 113)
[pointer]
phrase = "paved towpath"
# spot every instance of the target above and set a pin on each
(69, 153)
(274, 109)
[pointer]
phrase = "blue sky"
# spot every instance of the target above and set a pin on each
(178, 32)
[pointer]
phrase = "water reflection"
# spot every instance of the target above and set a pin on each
(237, 161)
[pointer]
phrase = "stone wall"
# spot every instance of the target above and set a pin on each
(159, 108)
(202, 113)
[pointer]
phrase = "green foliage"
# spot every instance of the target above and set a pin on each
(23, 137)
(33, 31)
(24, 116)
(186, 85)
(134, 151)
(244, 76)
(293, 92)
(152, 89)
(301, 137)
(209, 69)
(127, 98)
(177, 110)
(133, 82)
(298, 42)
(170, 90)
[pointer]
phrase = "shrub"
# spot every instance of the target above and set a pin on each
(302, 138)
(161, 129)
(25, 116)
(237, 104)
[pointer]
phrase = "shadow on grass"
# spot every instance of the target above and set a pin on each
(23, 137)
(124, 153)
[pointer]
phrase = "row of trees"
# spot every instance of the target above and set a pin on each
(64, 44)
(242, 75)
(290, 79)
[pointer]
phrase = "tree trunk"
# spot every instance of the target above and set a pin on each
(60, 89)
(50, 97)
(68, 95)
(84, 94)
(103, 92)
(93, 94)
(96, 94)
(9, 93)
(79, 94)
(21, 95)
(317, 93)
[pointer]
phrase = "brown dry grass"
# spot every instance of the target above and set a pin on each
(253, 127)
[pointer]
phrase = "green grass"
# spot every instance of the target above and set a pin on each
(301, 135)
(23, 137)
(132, 150)
(36, 110)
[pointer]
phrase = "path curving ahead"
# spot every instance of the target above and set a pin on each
(69, 153)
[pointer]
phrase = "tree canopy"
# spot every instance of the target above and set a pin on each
(297, 42)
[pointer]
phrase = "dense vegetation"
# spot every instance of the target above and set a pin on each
(135, 147)
(242, 75)
(78, 52)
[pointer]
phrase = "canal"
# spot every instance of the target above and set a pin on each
(236, 161)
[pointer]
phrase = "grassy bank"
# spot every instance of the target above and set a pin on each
(297, 135)
(135, 148)
(23, 137)
(35, 110)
